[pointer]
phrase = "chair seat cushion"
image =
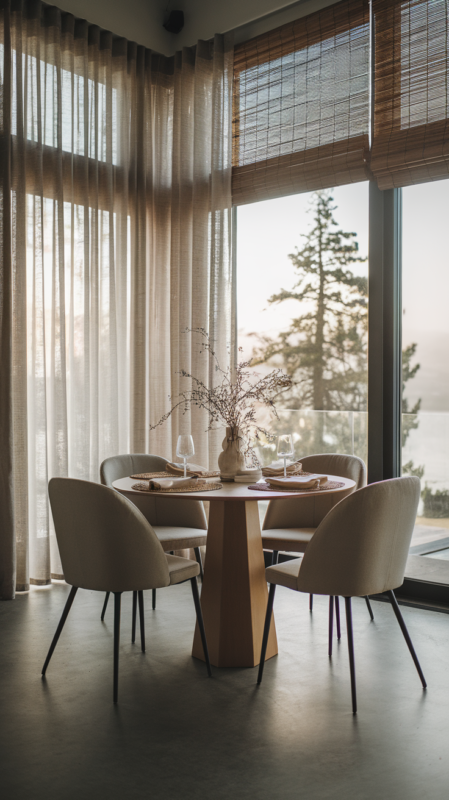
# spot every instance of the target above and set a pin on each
(289, 539)
(285, 574)
(172, 538)
(181, 569)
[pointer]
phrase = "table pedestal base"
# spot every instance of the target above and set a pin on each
(234, 594)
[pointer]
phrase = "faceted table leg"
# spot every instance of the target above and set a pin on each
(234, 594)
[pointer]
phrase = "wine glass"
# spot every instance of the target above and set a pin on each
(185, 449)
(285, 448)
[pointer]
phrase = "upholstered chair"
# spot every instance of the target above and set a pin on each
(107, 545)
(290, 524)
(360, 548)
(178, 525)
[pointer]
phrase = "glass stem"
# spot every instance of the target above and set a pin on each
(285, 467)
(185, 467)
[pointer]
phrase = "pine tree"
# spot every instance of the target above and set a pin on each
(409, 423)
(324, 348)
(409, 372)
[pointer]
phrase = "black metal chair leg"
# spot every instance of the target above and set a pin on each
(331, 623)
(337, 616)
(351, 652)
(274, 557)
(142, 621)
(200, 561)
(266, 630)
(310, 602)
(133, 634)
(105, 605)
(368, 605)
(406, 635)
(61, 624)
(199, 616)
(153, 593)
(117, 606)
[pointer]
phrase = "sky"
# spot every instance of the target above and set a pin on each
(268, 231)
(425, 289)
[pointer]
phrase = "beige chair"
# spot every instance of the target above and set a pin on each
(360, 548)
(107, 545)
(179, 524)
(290, 524)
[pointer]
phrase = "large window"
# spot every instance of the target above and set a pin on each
(302, 305)
(425, 419)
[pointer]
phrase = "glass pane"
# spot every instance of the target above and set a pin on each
(302, 305)
(425, 419)
(308, 98)
(84, 116)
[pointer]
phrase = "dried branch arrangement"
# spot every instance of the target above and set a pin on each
(232, 402)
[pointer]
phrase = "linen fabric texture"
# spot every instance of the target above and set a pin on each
(106, 544)
(115, 236)
(361, 547)
(159, 511)
(291, 526)
(180, 525)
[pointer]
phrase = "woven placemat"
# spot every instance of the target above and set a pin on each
(290, 473)
(148, 476)
(265, 487)
(201, 486)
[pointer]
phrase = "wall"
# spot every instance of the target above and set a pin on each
(141, 20)
(137, 20)
(203, 18)
(247, 18)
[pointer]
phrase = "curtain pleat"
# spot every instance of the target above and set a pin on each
(120, 225)
(7, 537)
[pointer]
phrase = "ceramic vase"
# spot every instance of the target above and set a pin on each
(232, 460)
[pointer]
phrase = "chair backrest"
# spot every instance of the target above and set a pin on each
(308, 512)
(157, 510)
(361, 547)
(116, 467)
(104, 541)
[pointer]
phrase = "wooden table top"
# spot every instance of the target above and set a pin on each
(230, 491)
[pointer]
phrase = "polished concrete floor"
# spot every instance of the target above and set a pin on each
(177, 734)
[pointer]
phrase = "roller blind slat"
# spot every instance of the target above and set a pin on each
(301, 105)
(411, 91)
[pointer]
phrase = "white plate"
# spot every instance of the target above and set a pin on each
(248, 478)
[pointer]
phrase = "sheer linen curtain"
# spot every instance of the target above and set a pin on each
(201, 277)
(115, 237)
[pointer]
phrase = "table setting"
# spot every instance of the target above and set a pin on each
(189, 477)
(234, 591)
(177, 477)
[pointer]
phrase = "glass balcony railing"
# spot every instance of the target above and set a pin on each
(425, 453)
(318, 432)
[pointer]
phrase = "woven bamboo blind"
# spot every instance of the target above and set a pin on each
(301, 105)
(411, 130)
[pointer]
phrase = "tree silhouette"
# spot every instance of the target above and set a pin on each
(409, 423)
(324, 348)
(408, 372)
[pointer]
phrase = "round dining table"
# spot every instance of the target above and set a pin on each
(234, 593)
